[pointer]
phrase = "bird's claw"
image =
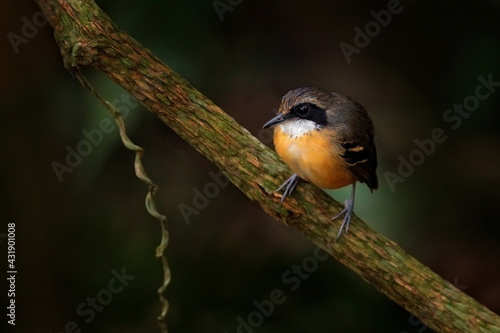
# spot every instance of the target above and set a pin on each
(347, 211)
(289, 185)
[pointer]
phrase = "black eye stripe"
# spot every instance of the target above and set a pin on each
(309, 111)
(302, 109)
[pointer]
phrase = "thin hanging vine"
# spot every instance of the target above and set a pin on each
(140, 172)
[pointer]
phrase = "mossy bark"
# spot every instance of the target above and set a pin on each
(88, 38)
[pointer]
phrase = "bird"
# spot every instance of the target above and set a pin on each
(327, 139)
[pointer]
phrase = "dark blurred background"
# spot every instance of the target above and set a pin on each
(75, 230)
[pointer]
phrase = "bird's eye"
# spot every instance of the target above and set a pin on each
(302, 110)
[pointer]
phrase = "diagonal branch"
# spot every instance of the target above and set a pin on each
(88, 38)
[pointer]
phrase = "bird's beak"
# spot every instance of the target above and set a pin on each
(276, 120)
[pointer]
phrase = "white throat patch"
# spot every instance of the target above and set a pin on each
(297, 128)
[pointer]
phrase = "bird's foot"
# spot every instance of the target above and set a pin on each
(347, 211)
(289, 186)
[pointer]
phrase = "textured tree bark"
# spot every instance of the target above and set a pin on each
(88, 38)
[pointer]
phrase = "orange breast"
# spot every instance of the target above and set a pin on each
(313, 158)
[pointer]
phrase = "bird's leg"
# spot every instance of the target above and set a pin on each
(347, 211)
(290, 184)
